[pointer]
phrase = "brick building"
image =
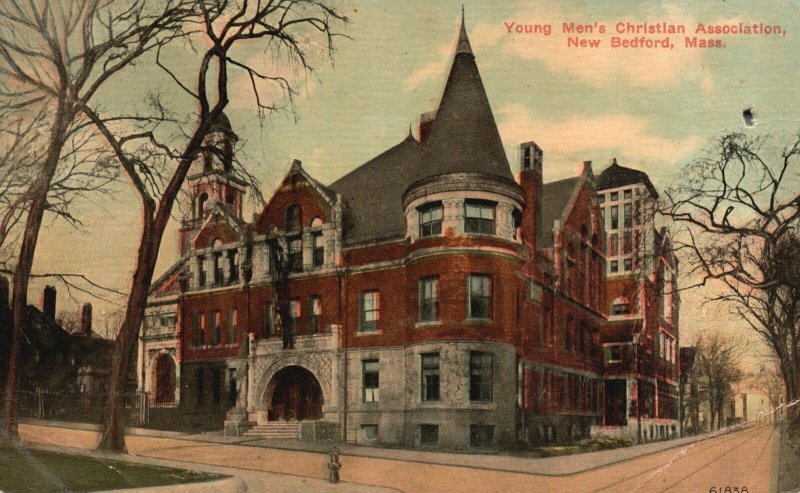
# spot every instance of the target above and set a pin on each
(641, 337)
(427, 298)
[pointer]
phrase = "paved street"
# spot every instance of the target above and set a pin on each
(740, 459)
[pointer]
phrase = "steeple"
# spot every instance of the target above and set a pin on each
(463, 45)
(464, 136)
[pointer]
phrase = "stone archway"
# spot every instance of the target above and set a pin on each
(164, 373)
(293, 393)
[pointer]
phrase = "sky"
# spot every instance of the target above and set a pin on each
(651, 108)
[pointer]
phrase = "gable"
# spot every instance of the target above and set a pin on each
(212, 232)
(295, 189)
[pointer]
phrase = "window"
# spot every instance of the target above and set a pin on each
(627, 194)
(428, 304)
(233, 264)
(215, 320)
(269, 319)
(481, 436)
(614, 266)
(613, 244)
(199, 325)
(201, 270)
(314, 313)
(370, 433)
(317, 250)
(430, 377)
(480, 376)
(619, 308)
(232, 392)
(294, 315)
(429, 435)
(601, 198)
(614, 354)
(369, 311)
(628, 264)
(370, 378)
(233, 321)
(430, 219)
(580, 339)
(614, 196)
(218, 273)
(626, 215)
(295, 257)
(627, 243)
(479, 296)
(478, 217)
(293, 218)
(614, 217)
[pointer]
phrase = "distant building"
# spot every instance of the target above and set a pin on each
(427, 298)
(61, 374)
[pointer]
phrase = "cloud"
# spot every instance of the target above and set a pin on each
(583, 137)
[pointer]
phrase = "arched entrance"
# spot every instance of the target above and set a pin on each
(165, 380)
(294, 394)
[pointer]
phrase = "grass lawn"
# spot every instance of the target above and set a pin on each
(24, 470)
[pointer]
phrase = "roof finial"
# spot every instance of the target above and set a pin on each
(410, 133)
(463, 45)
(614, 161)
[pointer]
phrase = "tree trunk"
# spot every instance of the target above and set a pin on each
(22, 273)
(112, 420)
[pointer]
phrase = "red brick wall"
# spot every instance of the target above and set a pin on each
(293, 190)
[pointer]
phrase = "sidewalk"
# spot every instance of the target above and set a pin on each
(551, 466)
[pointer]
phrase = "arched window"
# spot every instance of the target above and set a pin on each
(316, 222)
(293, 217)
(201, 204)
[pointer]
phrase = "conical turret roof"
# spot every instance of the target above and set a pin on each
(464, 137)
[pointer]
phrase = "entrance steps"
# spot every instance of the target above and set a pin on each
(291, 430)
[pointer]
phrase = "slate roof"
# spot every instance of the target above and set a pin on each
(616, 176)
(555, 196)
(464, 137)
(372, 193)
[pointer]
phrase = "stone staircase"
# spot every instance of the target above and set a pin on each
(276, 430)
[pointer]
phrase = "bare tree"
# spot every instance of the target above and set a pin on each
(69, 321)
(282, 28)
(54, 58)
(717, 366)
(739, 208)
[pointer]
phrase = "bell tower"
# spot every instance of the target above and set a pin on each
(215, 183)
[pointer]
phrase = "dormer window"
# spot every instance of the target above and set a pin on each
(479, 217)
(430, 219)
(293, 218)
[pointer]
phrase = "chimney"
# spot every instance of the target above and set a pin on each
(425, 126)
(86, 320)
(530, 179)
(49, 302)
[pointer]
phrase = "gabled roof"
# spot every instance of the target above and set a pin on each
(555, 197)
(616, 176)
(373, 192)
(464, 136)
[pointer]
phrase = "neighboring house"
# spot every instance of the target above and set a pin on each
(60, 373)
(641, 338)
(427, 298)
